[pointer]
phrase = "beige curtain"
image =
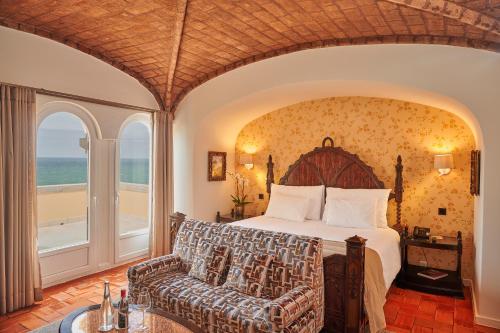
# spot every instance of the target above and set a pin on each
(20, 283)
(162, 183)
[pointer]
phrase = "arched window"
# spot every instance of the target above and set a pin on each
(134, 183)
(62, 181)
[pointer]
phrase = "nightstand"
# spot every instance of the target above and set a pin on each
(450, 285)
(228, 218)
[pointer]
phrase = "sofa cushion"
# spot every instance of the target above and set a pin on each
(209, 262)
(190, 232)
(167, 289)
(248, 272)
(235, 312)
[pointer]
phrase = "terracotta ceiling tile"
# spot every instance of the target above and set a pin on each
(217, 36)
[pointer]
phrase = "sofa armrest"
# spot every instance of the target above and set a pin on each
(286, 309)
(152, 267)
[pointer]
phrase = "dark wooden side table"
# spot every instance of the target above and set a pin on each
(408, 277)
(228, 218)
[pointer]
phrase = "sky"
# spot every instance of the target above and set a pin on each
(59, 136)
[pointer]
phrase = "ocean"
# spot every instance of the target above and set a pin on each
(66, 170)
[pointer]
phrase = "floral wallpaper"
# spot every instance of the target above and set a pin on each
(377, 130)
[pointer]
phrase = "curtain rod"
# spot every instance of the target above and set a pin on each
(83, 98)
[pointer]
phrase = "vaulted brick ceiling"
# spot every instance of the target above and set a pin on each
(172, 46)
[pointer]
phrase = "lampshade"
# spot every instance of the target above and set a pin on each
(443, 163)
(246, 159)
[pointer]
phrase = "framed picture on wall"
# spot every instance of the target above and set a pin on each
(475, 171)
(216, 166)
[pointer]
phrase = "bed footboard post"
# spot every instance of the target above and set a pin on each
(270, 174)
(354, 284)
(176, 220)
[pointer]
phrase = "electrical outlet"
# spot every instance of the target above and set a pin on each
(261, 196)
(422, 263)
(441, 211)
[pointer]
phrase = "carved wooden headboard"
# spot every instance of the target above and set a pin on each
(334, 167)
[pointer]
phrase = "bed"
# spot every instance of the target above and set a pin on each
(359, 264)
(355, 259)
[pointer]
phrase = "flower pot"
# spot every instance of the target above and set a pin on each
(239, 211)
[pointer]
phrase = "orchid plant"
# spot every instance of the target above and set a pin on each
(239, 198)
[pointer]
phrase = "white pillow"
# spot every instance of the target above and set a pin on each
(351, 213)
(381, 196)
(287, 207)
(315, 194)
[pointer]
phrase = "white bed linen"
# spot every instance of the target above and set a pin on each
(384, 241)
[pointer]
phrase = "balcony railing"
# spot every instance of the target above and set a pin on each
(62, 213)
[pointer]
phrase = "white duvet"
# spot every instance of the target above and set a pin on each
(384, 241)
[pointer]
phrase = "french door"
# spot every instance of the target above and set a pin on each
(133, 199)
(93, 194)
(65, 192)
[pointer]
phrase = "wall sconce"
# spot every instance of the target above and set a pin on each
(443, 163)
(247, 160)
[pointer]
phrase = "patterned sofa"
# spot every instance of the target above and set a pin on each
(291, 298)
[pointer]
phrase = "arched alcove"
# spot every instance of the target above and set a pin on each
(459, 80)
(377, 130)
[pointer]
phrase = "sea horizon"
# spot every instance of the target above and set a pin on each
(73, 170)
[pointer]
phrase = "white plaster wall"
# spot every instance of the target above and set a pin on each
(31, 60)
(460, 80)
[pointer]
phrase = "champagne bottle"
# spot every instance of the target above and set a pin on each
(106, 311)
(123, 310)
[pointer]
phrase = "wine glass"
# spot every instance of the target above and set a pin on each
(143, 304)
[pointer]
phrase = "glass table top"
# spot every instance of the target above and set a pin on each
(157, 322)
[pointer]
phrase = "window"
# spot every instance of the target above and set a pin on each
(134, 178)
(62, 181)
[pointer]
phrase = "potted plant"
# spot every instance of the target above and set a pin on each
(239, 198)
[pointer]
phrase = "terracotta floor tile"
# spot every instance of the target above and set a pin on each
(96, 299)
(405, 310)
(409, 309)
(443, 329)
(424, 322)
(396, 329)
(404, 321)
(390, 312)
(463, 303)
(425, 316)
(30, 321)
(62, 296)
(445, 307)
(427, 306)
(47, 314)
(463, 323)
(421, 329)
(445, 300)
(412, 299)
(463, 314)
(15, 328)
(445, 317)
(396, 297)
(433, 324)
(462, 329)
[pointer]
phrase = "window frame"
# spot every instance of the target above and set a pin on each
(147, 121)
(93, 131)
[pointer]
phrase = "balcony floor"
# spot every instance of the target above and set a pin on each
(68, 233)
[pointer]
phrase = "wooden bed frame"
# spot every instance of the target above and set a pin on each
(344, 274)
